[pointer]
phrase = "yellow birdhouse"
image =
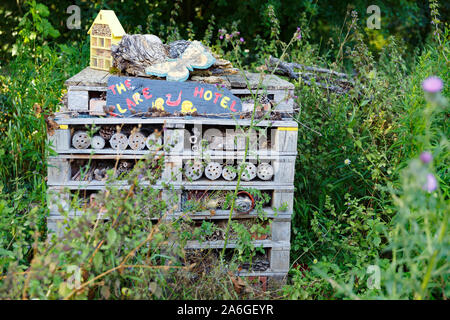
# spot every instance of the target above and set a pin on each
(105, 31)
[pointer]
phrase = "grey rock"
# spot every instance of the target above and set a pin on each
(176, 48)
(135, 52)
(152, 38)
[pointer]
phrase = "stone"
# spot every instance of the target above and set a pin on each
(176, 48)
(152, 38)
(137, 52)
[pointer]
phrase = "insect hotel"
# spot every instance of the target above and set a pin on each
(197, 107)
(105, 32)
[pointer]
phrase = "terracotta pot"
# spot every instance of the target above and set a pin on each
(245, 193)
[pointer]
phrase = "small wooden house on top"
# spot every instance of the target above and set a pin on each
(105, 31)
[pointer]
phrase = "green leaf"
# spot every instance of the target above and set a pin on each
(42, 10)
(98, 260)
(4, 253)
(111, 236)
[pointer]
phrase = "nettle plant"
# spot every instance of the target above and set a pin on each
(110, 246)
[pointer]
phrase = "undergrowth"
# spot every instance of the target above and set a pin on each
(359, 202)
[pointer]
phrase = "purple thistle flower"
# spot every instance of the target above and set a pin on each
(298, 33)
(432, 84)
(241, 39)
(221, 37)
(426, 157)
(431, 183)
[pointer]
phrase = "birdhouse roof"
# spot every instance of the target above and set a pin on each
(109, 17)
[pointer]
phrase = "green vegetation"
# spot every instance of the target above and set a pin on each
(360, 203)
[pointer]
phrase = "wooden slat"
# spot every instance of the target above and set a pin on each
(109, 153)
(175, 120)
(281, 245)
(100, 185)
(269, 82)
(89, 77)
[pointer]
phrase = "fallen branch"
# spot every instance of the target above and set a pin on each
(287, 69)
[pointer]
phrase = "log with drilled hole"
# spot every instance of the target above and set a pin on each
(118, 141)
(81, 140)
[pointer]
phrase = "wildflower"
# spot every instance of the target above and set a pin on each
(426, 157)
(298, 33)
(432, 84)
(228, 36)
(221, 37)
(241, 39)
(347, 161)
(431, 183)
(315, 261)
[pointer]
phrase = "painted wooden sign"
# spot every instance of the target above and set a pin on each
(128, 96)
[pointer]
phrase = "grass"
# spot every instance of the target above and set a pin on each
(348, 215)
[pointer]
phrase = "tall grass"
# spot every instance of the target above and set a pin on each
(356, 202)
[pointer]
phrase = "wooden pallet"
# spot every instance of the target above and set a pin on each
(280, 140)
(277, 248)
(82, 86)
(282, 198)
(177, 149)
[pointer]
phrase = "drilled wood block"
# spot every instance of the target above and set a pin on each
(78, 100)
(96, 107)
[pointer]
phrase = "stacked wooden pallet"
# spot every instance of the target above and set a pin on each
(274, 147)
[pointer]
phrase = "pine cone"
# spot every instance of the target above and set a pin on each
(106, 132)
